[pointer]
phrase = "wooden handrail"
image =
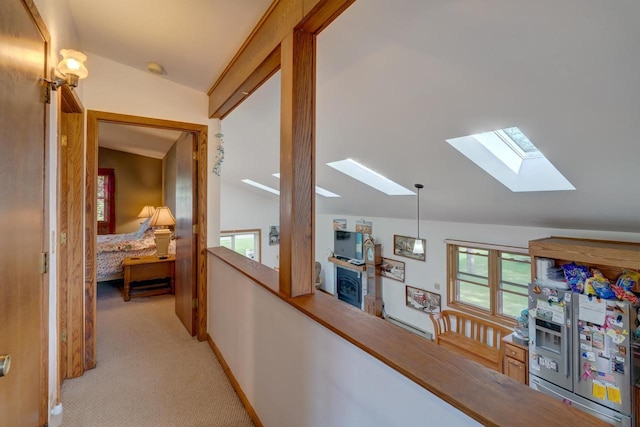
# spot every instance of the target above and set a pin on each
(496, 400)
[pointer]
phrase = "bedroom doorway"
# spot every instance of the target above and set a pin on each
(190, 262)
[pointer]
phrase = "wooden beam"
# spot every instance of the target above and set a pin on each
(297, 163)
(318, 14)
(281, 17)
(264, 71)
(257, 60)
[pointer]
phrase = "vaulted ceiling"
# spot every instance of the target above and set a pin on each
(396, 79)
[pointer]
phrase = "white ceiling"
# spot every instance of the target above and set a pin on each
(193, 40)
(396, 79)
(143, 141)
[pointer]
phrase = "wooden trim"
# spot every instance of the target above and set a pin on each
(201, 131)
(262, 73)
(320, 13)
(297, 163)
(236, 385)
(489, 246)
(258, 58)
(90, 237)
(202, 137)
(449, 376)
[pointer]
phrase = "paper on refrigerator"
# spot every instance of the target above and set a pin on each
(550, 311)
(592, 309)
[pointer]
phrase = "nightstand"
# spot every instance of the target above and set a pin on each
(157, 275)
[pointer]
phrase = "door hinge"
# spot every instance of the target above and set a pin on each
(63, 336)
(63, 140)
(195, 303)
(63, 238)
(195, 228)
(44, 262)
(195, 156)
(46, 92)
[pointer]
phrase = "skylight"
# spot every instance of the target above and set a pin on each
(319, 190)
(511, 158)
(369, 177)
(261, 186)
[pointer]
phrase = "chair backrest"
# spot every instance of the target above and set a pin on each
(440, 323)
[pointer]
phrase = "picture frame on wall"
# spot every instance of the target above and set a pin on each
(421, 300)
(403, 246)
(340, 224)
(393, 269)
(274, 235)
(365, 227)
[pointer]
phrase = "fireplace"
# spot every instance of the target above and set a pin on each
(349, 286)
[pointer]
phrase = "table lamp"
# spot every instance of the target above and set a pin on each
(162, 219)
(147, 212)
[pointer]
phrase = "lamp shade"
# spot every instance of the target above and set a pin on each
(162, 217)
(147, 212)
(417, 247)
(73, 63)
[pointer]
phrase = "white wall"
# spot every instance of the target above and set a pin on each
(426, 274)
(296, 372)
(244, 209)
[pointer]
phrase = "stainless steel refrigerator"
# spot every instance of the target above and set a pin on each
(580, 351)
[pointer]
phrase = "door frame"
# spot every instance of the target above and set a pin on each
(94, 118)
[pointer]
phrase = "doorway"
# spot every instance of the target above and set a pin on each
(192, 295)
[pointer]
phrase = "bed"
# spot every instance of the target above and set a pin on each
(114, 248)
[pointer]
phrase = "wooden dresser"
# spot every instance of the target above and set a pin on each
(515, 359)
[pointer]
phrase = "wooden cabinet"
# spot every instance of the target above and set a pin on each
(515, 359)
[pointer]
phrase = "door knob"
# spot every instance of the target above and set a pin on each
(5, 364)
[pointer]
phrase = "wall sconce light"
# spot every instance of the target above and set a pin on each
(70, 69)
(417, 246)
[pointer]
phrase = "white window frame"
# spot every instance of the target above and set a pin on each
(257, 240)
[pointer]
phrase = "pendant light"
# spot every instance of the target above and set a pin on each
(417, 246)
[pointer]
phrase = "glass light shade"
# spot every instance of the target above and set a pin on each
(162, 217)
(147, 212)
(73, 63)
(417, 247)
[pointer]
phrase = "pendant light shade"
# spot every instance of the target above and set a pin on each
(418, 248)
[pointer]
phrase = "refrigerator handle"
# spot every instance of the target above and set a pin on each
(566, 336)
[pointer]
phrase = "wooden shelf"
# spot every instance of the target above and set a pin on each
(346, 264)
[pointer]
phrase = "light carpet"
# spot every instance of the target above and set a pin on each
(150, 372)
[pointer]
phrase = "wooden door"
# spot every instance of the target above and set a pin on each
(185, 238)
(22, 138)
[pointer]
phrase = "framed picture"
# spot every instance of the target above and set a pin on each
(363, 226)
(421, 300)
(392, 269)
(274, 235)
(403, 246)
(339, 224)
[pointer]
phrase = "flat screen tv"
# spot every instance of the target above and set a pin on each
(347, 244)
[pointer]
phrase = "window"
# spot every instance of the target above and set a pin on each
(491, 281)
(106, 201)
(245, 242)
